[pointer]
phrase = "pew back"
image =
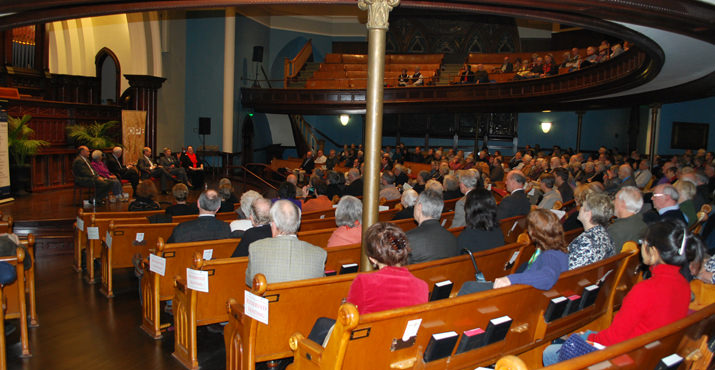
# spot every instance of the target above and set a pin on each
(512, 227)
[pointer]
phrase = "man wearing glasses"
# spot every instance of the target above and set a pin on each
(665, 201)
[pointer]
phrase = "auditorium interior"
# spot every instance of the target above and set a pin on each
(252, 86)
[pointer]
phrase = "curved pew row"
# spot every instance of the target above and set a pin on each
(689, 338)
(294, 307)
(355, 335)
(13, 298)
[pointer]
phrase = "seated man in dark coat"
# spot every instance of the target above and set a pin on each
(430, 241)
(148, 168)
(260, 216)
(170, 163)
(204, 227)
(180, 193)
(515, 204)
(85, 176)
(665, 205)
(354, 188)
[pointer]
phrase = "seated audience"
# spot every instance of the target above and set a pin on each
(388, 190)
(225, 191)
(516, 203)
(686, 192)
(422, 178)
(482, 231)
(467, 76)
(594, 244)
(205, 226)
(144, 197)
(430, 241)
(481, 76)
(551, 258)
(400, 172)
(308, 163)
(336, 184)
(283, 257)
(115, 166)
(624, 178)
(551, 194)
(654, 302)
(496, 171)
(180, 193)
(561, 179)
(451, 187)
(408, 200)
(707, 272)
(332, 160)
(320, 158)
(259, 215)
(101, 169)
(570, 220)
(665, 205)
(321, 202)
(507, 66)
(417, 79)
(243, 222)
(629, 223)
(404, 78)
(355, 183)
(348, 218)
(468, 180)
(286, 191)
(227, 182)
(643, 175)
(193, 166)
(392, 285)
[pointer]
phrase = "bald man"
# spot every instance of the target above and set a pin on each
(84, 175)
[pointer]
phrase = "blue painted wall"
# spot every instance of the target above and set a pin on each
(204, 75)
(696, 111)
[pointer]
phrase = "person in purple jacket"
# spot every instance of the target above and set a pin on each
(550, 258)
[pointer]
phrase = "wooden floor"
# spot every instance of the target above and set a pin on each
(79, 327)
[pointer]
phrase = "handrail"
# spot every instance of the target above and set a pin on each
(246, 170)
(291, 67)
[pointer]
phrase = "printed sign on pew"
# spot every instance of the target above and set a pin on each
(255, 307)
(197, 280)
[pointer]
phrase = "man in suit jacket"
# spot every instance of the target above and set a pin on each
(85, 176)
(430, 241)
(204, 227)
(283, 257)
(624, 178)
(562, 184)
(171, 164)
(260, 216)
(665, 202)
(115, 166)
(629, 223)
(308, 163)
(147, 169)
(515, 204)
(467, 76)
(355, 186)
(467, 181)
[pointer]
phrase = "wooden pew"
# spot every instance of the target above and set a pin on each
(688, 337)
(704, 294)
(377, 330)
(85, 219)
(512, 227)
(328, 213)
(6, 225)
(157, 288)
(193, 308)
(15, 305)
(248, 342)
(29, 274)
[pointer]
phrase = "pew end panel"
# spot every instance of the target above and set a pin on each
(29, 244)
(15, 304)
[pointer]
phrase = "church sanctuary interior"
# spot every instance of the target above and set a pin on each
(378, 119)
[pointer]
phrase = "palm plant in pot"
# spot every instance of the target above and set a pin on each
(95, 135)
(21, 146)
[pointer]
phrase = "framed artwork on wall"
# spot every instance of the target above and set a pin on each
(689, 135)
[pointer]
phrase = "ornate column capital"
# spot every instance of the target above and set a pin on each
(378, 12)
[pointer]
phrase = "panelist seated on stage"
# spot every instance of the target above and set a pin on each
(194, 167)
(101, 169)
(171, 164)
(86, 176)
(115, 166)
(204, 227)
(149, 168)
(283, 257)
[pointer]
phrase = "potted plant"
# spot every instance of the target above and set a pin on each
(21, 147)
(95, 136)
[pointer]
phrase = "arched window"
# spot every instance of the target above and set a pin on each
(108, 73)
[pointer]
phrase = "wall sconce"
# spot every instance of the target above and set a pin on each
(344, 119)
(546, 127)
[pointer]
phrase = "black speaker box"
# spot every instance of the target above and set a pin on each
(258, 54)
(204, 125)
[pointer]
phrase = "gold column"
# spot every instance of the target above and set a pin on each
(378, 12)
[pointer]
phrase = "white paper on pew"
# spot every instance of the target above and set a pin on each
(489, 187)
(80, 224)
(382, 208)
(411, 329)
(93, 233)
(255, 307)
(197, 280)
(157, 264)
(208, 253)
(108, 239)
(559, 213)
(513, 257)
(532, 192)
(140, 237)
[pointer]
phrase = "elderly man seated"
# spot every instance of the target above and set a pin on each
(204, 227)
(430, 241)
(259, 214)
(283, 257)
(388, 189)
(629, 224)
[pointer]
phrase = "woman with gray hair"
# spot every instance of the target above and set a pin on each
(686, 192)
(408, 201)
(243, 223)
(594, 244)
(348, 217)
(101, 169)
